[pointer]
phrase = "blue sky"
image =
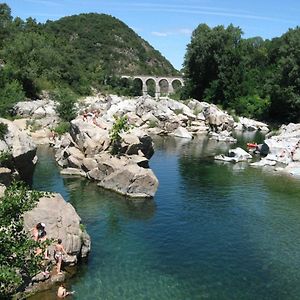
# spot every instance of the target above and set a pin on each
(167, 25)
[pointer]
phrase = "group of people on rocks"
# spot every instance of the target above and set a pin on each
(39, 234)
(92, 115)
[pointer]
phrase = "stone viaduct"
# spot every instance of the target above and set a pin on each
(158, 80)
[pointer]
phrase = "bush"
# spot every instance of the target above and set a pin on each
(18, 261)
(3, 130)
(253, 107)
(62, 128)
(33, 125)
(66, 104)
(152, 123)
(10, 94)
(120, 125)
(6, 159)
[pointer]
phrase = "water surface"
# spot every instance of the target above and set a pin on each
(213, 230)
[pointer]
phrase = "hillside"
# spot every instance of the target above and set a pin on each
(110, 44)
(74, 53)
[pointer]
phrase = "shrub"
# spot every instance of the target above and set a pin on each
(253, 106)
(10, 94)
(66, 104)
(152, 124)
(3, 130)
(18, 261)
(120, 125)
(6, 159)
(33, 125)
(178, 111)
(62, 128)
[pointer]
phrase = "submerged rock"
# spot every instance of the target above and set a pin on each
(235, 155)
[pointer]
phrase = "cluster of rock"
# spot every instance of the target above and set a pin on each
(284, 150)
(170, 117)
(86, 152)
(163, 117)
(18, 154)
(235, 156)
(37, 117)
(62, 222)
(280, 152)
(86, 149)
(17, 161)
(246, 124)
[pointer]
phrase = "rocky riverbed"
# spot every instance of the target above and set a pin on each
(86, 150)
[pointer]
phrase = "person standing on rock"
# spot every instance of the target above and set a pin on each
(58, 254)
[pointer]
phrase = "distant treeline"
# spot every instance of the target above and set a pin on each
(253, 77)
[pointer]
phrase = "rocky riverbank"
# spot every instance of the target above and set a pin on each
(86, 150)
(18, 159)
(283, 150)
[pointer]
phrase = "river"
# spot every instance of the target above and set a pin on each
(213, 230)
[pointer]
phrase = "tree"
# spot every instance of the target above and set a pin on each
(66, 104)
(284, 86)
(212, 63)
(5, 22)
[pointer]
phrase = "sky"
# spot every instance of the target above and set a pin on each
(167, 25)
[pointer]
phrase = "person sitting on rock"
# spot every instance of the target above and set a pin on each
(40, 235)
(59, 251)
(38, 231)
(62, 291)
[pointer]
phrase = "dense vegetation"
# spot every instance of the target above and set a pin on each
(75, 53)
(18, 259)
(254, 77)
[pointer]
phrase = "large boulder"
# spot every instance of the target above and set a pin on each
(251, 125)
(22, 149)
(182, 133)
(62, 222)
(217, 119)
(132, 181)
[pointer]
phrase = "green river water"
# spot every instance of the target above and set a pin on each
(213, 230)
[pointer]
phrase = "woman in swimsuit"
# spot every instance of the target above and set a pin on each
(58, 254)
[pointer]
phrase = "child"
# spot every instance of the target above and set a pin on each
(62, 291)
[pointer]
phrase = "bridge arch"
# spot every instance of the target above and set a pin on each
(157, 80)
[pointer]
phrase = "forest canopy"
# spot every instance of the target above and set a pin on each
(253, 77)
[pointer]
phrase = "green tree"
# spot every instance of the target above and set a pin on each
(5, 22)
(66, 104)
(284, 85)
(212, 63)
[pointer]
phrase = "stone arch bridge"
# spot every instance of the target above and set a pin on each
(158, 80)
